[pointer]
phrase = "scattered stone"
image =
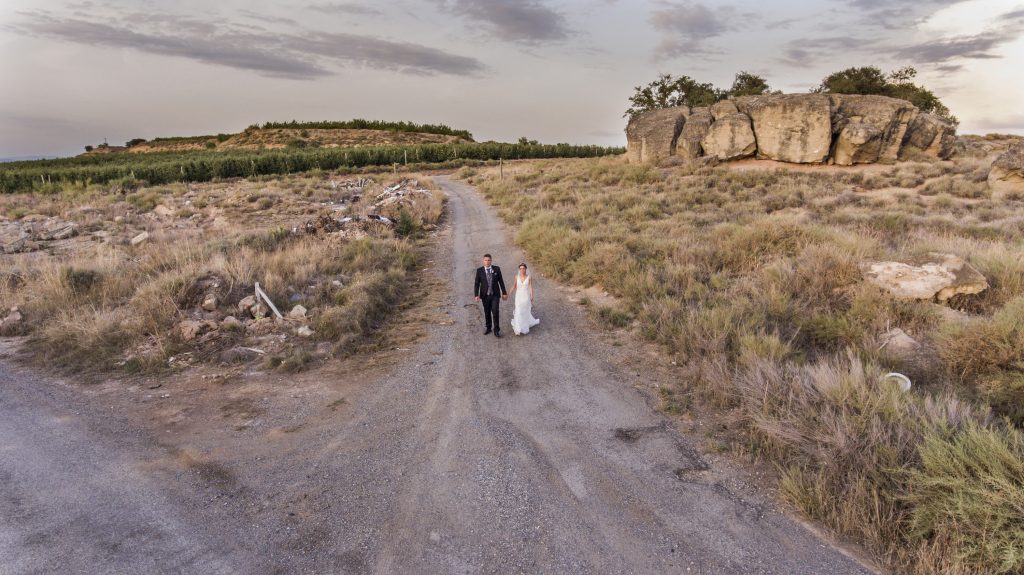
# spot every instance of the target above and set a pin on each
(118, 219)
(246, 303)
(140, 238)
(298, 312)
(231, 323)
(259, 310)
(304, 331)
(933, 276)
(210, 302)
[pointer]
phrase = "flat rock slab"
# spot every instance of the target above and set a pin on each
(933, 276)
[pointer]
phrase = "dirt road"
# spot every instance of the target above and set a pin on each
(475, 455)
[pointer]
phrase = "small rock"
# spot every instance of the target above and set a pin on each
(231, 323)
(118, 219)
(298, 312)
(12, 323)
(140, 238)
(897, 341)
(238, 355)
(258, 310)
(304, 331)
(210, 302)
(246, 303)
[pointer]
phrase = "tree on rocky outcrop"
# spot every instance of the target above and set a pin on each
(669, 91)
(134, 142)
(747, 84)
(870, 80)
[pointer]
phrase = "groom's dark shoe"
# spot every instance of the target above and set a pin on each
(497, 333)
(488, 331)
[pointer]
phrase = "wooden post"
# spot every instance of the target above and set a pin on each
(394, 166)
(262, 294)
(501, 169)
(406, 154)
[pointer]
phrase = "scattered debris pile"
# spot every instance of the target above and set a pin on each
(401, 194)
(33, 233)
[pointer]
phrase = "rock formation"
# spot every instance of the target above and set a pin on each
(1007, 173)
(652, 136)
(843, 129)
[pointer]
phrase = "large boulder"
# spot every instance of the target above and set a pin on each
(730, 137)
(869, 129)
(652, 136)
(933, 276)
(930, 134)
(1007, 173)
(698, 123)
(790, 127)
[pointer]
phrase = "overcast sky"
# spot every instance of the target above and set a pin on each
(74, 73)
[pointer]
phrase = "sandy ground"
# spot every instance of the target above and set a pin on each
(450, 452)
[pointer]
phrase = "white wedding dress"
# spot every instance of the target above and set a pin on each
(522, 314)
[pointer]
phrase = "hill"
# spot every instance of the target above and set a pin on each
(275, 135)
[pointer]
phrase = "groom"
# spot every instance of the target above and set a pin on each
(488, 287)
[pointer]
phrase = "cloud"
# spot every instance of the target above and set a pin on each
(352, 8)
(686, 27)
(945, 49)
(298, 56)
(524, 21)
(808, 51)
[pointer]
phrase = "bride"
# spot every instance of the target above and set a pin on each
(522, 314)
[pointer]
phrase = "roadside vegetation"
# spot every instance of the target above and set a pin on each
(751, 280)
(155, 278)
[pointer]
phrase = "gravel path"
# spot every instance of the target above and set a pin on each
(526, 454)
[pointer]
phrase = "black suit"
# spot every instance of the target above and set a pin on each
(490, 300)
